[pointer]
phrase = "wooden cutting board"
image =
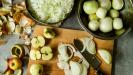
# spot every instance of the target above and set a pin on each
(67, 36)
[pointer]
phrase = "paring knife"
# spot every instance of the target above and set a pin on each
(90, 58)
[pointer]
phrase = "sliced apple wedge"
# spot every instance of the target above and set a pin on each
(46, 53)
(37, 42)
(35, 55)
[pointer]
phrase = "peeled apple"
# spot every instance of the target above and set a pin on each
(119, 32)
(101, 12)
(117, 23)
(93, 17)
(106, 25)
(105, 4)
(90, 7)
(114, 13)
(117, 4)
(93, 25)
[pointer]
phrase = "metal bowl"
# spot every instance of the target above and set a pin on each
(126, 14)
(39, 21)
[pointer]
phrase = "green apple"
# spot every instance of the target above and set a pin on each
(38, 41)
(46, 53)
(36, 69)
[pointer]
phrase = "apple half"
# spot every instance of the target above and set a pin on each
(46, 53)
(49, 33)
(35, 55)
(37, 42)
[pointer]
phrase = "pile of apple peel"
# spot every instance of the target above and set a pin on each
(14, 21)
(18, 51)
(70, 67)
(13, 65)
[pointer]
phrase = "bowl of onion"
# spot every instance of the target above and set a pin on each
(106, 19)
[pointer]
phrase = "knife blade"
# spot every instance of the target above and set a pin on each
(90, 58)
